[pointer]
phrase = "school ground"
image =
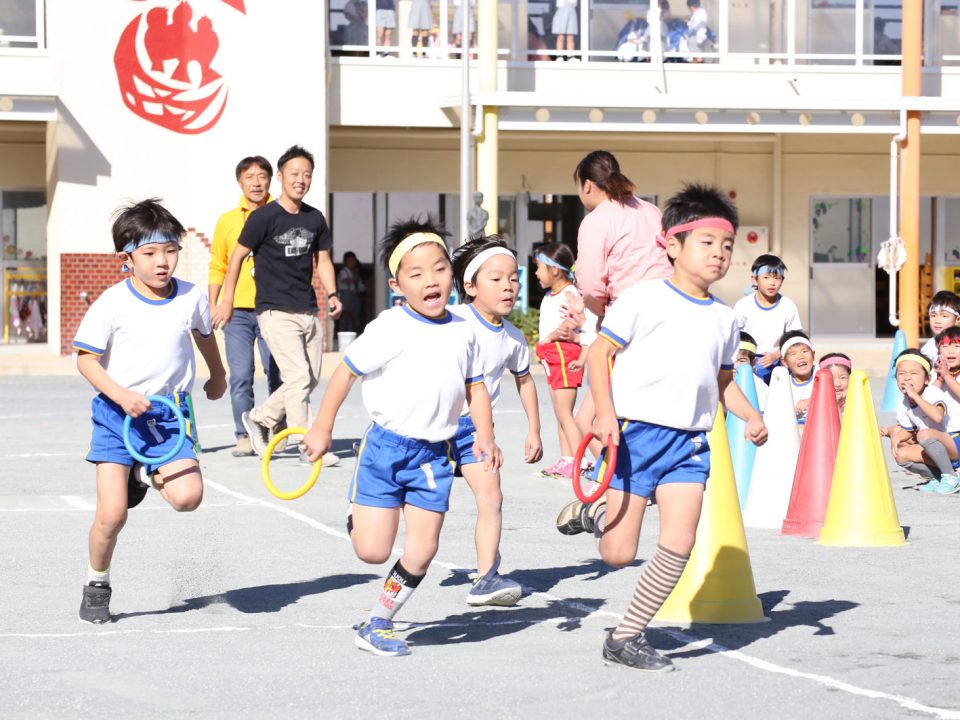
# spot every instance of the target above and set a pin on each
(244, 608)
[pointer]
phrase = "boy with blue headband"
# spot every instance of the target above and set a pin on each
(766, 314)
(135, 341)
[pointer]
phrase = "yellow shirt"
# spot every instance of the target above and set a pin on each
(224, 241)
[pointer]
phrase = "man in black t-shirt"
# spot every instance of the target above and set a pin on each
(286, 237)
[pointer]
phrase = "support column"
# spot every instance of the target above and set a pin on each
(488, 145)
(910, 176)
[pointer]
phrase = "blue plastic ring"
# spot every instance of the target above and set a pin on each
(181, 424)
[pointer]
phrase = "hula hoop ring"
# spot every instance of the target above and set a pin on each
(610, 461)
(181, 427)
(265, 468)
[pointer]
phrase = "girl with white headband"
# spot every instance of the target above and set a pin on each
(485, 272)
(797, 354)
(944, 312)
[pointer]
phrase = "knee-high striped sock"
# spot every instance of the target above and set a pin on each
(397, 588)
(657, 581)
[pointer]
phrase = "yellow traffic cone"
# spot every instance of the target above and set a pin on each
(861, 511)
(717, 584)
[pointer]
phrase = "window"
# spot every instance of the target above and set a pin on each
(840, 230)
(21, 24)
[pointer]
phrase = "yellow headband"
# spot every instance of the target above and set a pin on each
(748, 346)
(919, 359)
(408, 244)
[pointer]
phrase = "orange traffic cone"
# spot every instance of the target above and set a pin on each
(717, 584)
(861, 511)
(818, 452)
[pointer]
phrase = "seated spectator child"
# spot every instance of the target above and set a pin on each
(797, 354)
(947, 369)
(840, 366)
(944, 312)
(747, 355)
(918, 441)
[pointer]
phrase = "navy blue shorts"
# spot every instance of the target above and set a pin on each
(394, 470)
(152, 434)
(652, 455)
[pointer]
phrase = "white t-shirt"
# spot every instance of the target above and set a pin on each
(912, 417)
(672, 348)
(499, 347)
(802, 391)
(588, 333)
(952, 420)
(929, 351)
(766, 324)
(415, 371)
(146, 345)
(552, 313)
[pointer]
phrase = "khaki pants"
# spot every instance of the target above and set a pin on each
(295, 340)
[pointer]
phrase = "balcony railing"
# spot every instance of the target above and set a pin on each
(824, 32)
(21, 24)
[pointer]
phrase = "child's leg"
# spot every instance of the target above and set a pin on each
(111, 516)
(622, 521)
(181, 484)
(939, 449)
(564, 400)
(486, 490)
(374, 530)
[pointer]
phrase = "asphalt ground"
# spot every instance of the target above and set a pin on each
(245, 607)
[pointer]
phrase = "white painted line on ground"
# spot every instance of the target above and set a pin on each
(89, 507)
(825, 680)
(77, 503)
(109, 633)
(77, 454)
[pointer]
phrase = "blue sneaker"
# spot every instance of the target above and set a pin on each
(949, 484)
(930, 487)
(492, 589)
(376, 636)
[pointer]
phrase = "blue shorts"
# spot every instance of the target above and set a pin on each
(652, 455)
(764, 373)
(394, 470)
(463, 445)
(153, 434)
(956, 444)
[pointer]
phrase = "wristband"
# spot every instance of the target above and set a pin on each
(334, 294)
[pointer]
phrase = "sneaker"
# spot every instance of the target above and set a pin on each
(933, 486)
(95, 607)
(550, 472)
(634, 653)
(575, 517)
(564, 469)
(258, 433)
(949, 484)
(494, 589)
(376, 636)
(243, 448)
(137, 485)
(329, 459)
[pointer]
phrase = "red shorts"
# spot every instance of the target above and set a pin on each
(554, 358)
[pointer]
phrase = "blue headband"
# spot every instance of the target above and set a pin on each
(540, 257)
(152, 238)
(772, 269)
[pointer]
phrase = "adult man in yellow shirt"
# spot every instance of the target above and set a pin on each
(253, 176)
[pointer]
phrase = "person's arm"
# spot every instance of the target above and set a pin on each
(218, 264)
(224, 311)
(934, 411)
(598, 364)
(736, 402)
(318, 439)
(592, 276)
(328, 280)
(133, 403)
(533, 445)
(216, 386)
(481, 412)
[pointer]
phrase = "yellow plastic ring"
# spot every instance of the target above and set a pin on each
(265, 468)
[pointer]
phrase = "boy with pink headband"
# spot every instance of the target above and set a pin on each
(944, 312)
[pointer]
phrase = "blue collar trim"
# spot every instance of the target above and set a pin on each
(148, 301)
(486, 323)
(756, 300)
(423, 318)
(696, 301)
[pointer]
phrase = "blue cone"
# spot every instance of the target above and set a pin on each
(891, 393)
(742, 452)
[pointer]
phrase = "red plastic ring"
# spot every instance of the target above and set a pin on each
(611, 463)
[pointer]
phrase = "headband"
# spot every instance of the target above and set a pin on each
(541, 258)
(474, 265)
(408, 244)
(941, 341)
(748, 346)
(943, 308)
(710, 222)
(772, 269)
(919, 359)
(151, 239)
(794, 341)
(842, 362)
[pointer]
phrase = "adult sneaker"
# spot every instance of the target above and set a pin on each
(933, 486)
(376, 636)
(137, 485)
(949, 484)
(243, 448)
(259, 434)
(95, 606)
(634, 653)
(493, 589)
(576, 517)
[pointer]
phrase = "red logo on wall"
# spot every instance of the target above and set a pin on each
(163, 63)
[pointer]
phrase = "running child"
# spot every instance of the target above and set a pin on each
(660, 406)
(487, 280)
(135, 341)
(765, 313)
(840, 366)
(797, 354)
(418, 364)
(944, 312)
(918, 441)
(747, 355)
(558, 350)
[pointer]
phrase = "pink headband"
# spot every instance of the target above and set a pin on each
(843, 362)
(710, 222)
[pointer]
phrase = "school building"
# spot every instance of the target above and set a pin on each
(793, 107)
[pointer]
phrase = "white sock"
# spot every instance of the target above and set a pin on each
(99, 576)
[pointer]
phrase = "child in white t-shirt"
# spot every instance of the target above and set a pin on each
(947, 370)
(135, 341)
(944, 312)
(747, 355)
(419, 364)
(797, 354)
(766, 314)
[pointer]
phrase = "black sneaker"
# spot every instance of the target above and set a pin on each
(634, 653)
(259, 434)
(95, 607)
(136, 489)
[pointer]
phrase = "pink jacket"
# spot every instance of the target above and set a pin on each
(616, 248)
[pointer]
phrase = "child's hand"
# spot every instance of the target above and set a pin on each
(316, 442)
(607, 426)
(532, 448)
(756, 431)
(767, 359)
(133, 403)
(576, 365)
(215, 387)
(910, 393)
(487, 450)
(884, 431)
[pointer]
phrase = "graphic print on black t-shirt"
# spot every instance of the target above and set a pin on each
(283, 245)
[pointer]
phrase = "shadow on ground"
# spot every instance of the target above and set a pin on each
(542, 579)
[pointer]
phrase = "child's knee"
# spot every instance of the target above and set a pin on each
(489, 500)
(185, 499)
(616, 554)
(370, 552)
(110, 521)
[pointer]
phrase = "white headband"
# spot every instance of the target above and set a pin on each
(943, 308)
(474, 265)
(794, 341)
